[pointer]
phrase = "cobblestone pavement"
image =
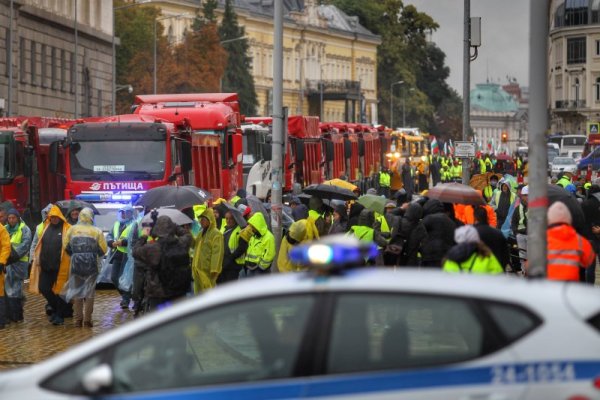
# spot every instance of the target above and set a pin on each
(36, 339)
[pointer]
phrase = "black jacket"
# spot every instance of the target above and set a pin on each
(440, 232)
(413, 232)
(494, 239)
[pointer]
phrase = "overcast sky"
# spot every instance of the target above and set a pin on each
(504, 35)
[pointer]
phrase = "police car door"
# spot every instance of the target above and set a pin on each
(412, 346)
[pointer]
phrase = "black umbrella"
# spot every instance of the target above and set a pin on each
(201, 192)
(237, 215)
(557, 193)
(257, 205)
(330, 192)
(178, 197)
(67, 205)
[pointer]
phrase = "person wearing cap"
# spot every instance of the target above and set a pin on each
(569, 253)
(208, 253)
(17, 265)
(470, 254)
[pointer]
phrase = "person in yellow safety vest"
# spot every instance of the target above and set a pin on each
(364, 230)
(117, 241)
(207, 263)
(482, 166)
(235, 250)
(317, 215)
(564, 181)
(488, 191)
(296, 234)
(488, 163)
(385, 228)
(385, 180)
(16, 270)
(5, 248)
(239, 195)
(519, 164)
(456, 171)
(261, 248)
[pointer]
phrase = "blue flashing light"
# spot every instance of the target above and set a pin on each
(334, 251)
(120, 197)
(108, 197)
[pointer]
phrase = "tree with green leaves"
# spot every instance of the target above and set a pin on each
(238, 76)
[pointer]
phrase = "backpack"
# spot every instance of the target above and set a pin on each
(174, 271)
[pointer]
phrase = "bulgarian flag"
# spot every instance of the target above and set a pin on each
(451, 148)
(445, 148)
(434, 146)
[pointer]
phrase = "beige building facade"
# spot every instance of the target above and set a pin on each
(574, 65)
(323, 49)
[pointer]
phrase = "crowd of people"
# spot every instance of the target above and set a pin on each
(156, 261)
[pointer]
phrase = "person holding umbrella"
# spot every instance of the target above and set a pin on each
(208, 253)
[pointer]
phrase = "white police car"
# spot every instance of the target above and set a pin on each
(362, 333)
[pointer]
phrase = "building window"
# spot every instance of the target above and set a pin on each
(33, 62)
(53, 68)
(576, 12)
(6, 47)
(22, 68)
(597, 90)
(73, 71)
(44, 63)
(63, 70)
(597, 48)
(576, 50)
(595, 11)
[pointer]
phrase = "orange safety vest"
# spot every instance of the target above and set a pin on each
(567, 252)
(468, 215)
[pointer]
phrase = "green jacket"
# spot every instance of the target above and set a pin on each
(208, 255)
(475, 264)
(261, 248)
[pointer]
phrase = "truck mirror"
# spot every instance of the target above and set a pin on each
(267, 151)
(53, 157)
(186, 157)
(328, 150)
(299, 150)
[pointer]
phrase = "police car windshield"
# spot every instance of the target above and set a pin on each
(117, 160)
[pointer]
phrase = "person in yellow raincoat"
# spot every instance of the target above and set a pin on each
(261, 248)
(298, 232)
(208, 253)
(51, 264)
(4, 254)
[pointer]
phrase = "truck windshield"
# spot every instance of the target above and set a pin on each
(5, 155)
(118, 160)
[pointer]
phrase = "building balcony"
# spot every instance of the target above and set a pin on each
(569, 105)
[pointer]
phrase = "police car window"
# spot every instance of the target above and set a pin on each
(245, 342)
(514, 322)
(379, 331)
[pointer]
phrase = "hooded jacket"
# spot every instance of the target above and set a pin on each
(340, 226)
(414, 233)
(261, 248)
(38, 232)
(440, 232)
(84, 242)
(364, 230)
(295, 235)
(469, 257)
(208, 255)
(568, 253)
(65, 260)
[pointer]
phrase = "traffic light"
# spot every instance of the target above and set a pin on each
(504, 137)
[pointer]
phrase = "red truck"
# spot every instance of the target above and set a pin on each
(118, 158)
(25, 179)
(304, 157)
(215, 135)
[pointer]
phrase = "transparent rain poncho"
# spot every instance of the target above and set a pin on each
(86, 245)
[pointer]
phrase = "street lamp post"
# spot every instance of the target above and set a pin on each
(114, 51)
(392, 102)
(155, 23)
(404, 106)
(121, 87)
(10, 66)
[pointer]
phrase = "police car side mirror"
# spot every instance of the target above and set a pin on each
(98, 378)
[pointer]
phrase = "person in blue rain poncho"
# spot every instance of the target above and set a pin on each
(85, 244)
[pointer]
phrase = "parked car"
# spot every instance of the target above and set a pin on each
(563, 164)
(337, 333)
